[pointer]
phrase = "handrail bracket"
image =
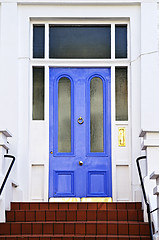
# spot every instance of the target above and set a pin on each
(8, 172)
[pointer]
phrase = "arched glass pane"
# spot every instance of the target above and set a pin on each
(96, 115)
(64, 115)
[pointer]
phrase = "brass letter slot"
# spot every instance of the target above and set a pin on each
(121, 137)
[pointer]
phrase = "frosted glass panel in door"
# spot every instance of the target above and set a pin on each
(96, 114)
(64, 115)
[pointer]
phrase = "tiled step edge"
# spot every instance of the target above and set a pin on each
(73, 206)
(79, 228)
(73, 215)
(72, 237)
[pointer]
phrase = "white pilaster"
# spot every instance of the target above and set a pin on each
(149, 66)
(9, 69)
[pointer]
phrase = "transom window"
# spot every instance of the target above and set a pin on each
(79, 41)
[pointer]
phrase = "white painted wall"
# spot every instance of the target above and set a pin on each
(30, 142)
(9, 73)
(149, 67)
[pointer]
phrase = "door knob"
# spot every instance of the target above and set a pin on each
(80, 120)
(80, 163)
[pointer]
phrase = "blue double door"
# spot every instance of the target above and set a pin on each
(80, 132)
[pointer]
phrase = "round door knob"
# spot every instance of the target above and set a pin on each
(80, 120)
(80, 163)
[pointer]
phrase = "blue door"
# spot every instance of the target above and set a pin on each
(80, 132)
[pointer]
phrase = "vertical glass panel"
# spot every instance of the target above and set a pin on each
(38, 93)
(121, 41)
(96, 114)
(64, 115)
(80, 42)
(38, 41)
(121, 94)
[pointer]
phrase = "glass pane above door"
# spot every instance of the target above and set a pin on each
(38, 41)
(80, 41)
(121, 41)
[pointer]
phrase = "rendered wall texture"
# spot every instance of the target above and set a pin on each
(30, 141)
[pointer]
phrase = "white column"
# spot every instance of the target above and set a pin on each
(9, 70)
(149, 95)
(149, 66)
(11, 91)
(3, 147)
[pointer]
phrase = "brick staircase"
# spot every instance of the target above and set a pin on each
(74, 221)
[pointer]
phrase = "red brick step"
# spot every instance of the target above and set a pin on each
(74, 215)
(74, 221)
(70, 237)
(73, 206)
(80, 227)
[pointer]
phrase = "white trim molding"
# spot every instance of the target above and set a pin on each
(3, 138)
(150, 139)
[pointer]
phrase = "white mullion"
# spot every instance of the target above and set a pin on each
(129, 126)
(79, 62)
(46, 117)
(113, 41)
(113, 132)
(128, 41)
(31, 93)
(46, 41)
(31, 41)
(46, 93)
(129, 92)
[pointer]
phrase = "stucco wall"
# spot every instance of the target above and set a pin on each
(30, 142)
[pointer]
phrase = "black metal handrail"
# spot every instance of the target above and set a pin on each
(8, 172)
(144, 194)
